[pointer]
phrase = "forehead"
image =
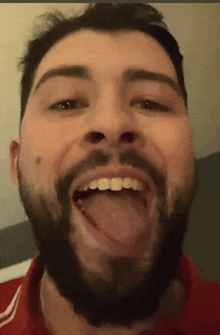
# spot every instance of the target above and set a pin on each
(108, 53)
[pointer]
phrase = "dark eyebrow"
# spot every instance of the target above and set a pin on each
(135, 75)
(76, 71)
(129, 76)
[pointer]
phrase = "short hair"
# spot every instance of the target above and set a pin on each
(99, 17)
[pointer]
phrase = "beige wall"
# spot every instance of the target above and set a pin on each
(197, 29)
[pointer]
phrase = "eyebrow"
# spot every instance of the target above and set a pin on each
(74, 71)
(129, 76)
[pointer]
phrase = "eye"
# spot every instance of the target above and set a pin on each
(69, 104)
(150, 105)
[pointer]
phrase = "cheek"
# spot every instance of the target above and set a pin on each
(40, 154)
(174, 139)
(46, 137)
(46, 150)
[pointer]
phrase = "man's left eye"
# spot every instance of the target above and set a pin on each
(69, 104)
(150, 105)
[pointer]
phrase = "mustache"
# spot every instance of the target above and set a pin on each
(99, 158)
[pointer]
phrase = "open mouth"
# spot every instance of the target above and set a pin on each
(80, 197)
(120, 220)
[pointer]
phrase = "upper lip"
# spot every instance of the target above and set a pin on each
(120, 172)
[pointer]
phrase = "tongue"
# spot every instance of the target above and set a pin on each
(122, 216)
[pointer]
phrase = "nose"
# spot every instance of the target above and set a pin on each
(113, 125)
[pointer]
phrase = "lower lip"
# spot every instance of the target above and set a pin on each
(111, 246)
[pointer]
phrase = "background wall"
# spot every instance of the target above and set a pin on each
(197, 29)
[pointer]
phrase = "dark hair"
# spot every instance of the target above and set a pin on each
(103, 17)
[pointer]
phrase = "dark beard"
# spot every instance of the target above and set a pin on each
(100, 302)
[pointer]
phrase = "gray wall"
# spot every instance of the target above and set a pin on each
(202, 239)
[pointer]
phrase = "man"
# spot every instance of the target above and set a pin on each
(106, 172)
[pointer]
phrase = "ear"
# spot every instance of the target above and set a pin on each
(14, 150)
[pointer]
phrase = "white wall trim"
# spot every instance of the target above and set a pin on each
(15, 271)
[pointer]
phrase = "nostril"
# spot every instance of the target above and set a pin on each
(128, 136)
(94, 137)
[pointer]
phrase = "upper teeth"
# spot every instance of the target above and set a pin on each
(114, 184)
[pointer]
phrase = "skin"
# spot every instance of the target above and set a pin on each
(53, 141)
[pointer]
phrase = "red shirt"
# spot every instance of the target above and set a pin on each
(20, 312)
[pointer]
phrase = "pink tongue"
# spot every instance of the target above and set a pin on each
(121, 215)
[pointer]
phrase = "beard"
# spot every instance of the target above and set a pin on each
(98, 300)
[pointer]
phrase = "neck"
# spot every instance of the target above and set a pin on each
(60, 318)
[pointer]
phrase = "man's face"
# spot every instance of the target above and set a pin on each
(96, 121)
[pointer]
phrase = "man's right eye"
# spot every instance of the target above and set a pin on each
(69, 104)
